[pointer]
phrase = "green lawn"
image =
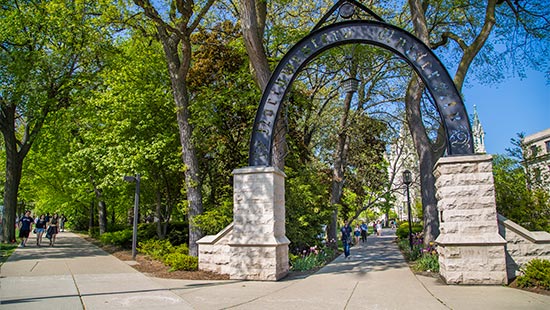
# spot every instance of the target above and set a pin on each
(5, 251)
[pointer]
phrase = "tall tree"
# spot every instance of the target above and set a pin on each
(175, 37)
(468, 26)
(49, 51)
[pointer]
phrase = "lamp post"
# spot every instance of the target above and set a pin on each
(136, 179)
(407, 179)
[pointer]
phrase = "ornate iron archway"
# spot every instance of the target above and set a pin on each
(374, 32)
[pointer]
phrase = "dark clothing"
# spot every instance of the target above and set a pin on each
(25, 223)
(24, 233)
(364, 230)
(41, 223)
(346, 239)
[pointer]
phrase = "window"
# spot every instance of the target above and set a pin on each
(547, 146)
(534, 151)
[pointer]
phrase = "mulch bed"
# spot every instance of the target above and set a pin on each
(155, 268)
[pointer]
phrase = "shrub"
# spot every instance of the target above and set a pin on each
(410, 255)
(311, 259)
(402, 231)
(155, 248)
(93, 232)
(178, 261)
(427, 262)
(536, 273)
(120, 238)
(147, 231)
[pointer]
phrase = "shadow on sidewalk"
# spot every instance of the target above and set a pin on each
(377, 254)
(67, 245)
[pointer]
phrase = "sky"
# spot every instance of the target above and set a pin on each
(513, 106)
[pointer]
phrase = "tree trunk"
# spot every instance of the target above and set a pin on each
(338, 170)
(178, 69)
(426, 157)
(14, 168)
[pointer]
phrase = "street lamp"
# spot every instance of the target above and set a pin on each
(136, 179)
(350, 85)
(407, 179)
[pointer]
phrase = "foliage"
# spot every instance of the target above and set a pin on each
(6, 250)
(536, 273)
(155, 248)
(409, 254)
(178, 261)
(311, 258)
(528, 207)
(177, 257)
(427, 262)
(402, 231)
(120, 238)
(306, 208)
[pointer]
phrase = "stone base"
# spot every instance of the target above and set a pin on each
(472, 264)
(265, 263)
(470, 249)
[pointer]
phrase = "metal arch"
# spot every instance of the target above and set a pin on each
(426, 64)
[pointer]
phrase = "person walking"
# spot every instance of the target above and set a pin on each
(357, 234)
(346, 238)
(40, 228)
(378, 228)
(25, 227)
(62, 220)
(53, 229)
(374, 228)
(364, 232)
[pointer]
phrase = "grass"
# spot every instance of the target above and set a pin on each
(6, 249)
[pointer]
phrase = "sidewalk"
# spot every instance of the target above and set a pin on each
(77, 275)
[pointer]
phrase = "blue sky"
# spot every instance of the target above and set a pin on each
(510, 107)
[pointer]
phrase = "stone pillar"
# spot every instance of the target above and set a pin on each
(471, 251)
(258, 246)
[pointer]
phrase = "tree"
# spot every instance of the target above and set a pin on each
(468, 26)
(49, 52)
(175, 37)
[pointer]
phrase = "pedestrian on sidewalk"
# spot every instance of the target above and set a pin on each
(346, 238)
(62, 220)
(25, 227)
(53, 229)
(364, 231)
(378, 228)
(357, 234)
(40, 228)
(374, 228)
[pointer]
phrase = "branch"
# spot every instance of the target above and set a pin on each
(445, 39)
(201, 14)
(152, 13)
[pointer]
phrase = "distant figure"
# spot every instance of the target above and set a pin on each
(393, 226)
(346, 238)
(374, 229)
(378, 228)
(25, 226)
(62, 220)
(53, 229)
(357, 234)
(40, 228)
(364, 232)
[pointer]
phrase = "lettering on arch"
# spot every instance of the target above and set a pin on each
(438, 81)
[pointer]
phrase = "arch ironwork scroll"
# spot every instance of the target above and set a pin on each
(426, 64)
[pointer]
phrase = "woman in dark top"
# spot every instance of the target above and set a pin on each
(53, 228)
(40, 228)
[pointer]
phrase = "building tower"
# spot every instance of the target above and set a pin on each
(478, 133)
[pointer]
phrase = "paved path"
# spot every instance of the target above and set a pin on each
(77, 275)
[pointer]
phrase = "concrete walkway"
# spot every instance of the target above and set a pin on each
(77, 275)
